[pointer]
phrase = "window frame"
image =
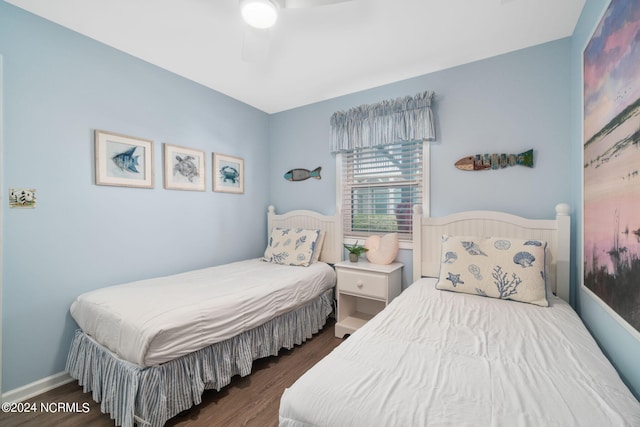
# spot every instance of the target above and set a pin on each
(340, 181)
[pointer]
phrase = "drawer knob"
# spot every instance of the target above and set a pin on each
(359, 284)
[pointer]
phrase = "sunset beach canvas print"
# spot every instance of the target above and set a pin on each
(612, 160)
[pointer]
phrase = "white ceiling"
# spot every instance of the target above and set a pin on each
(316, 53)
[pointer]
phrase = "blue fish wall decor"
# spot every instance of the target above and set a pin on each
(302, 174)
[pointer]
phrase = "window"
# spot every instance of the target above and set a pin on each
(380, 186)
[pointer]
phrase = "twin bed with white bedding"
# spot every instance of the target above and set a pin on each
(148, 349)
(439, 354)
(456, 348)
(195, 309)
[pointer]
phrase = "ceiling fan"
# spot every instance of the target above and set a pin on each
(260, 15)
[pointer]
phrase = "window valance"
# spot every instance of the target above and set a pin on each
(388, 122)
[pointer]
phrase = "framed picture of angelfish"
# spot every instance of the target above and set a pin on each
(123, 161)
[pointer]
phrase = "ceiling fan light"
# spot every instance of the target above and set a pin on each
(259, 13)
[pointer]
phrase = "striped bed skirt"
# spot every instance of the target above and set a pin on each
(150, 396)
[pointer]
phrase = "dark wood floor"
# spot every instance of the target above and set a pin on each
(250, 401)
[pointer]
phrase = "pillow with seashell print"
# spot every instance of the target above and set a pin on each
(496, 267)
(292, 246)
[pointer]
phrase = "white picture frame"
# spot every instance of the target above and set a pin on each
(228, 174)
(184, 168)
(123, 161)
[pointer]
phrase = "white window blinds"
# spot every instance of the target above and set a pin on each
(380, 187)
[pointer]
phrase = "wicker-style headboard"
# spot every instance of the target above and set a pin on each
(556, 232)
(331, 248)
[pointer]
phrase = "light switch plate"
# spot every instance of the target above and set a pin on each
(22, 198)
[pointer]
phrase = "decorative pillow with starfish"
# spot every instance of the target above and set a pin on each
(495, 267)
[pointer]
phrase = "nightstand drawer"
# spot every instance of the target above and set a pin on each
(362, 283)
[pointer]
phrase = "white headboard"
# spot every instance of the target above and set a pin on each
(331, 248)
(556, 232)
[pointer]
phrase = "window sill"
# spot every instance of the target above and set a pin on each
(403, 244)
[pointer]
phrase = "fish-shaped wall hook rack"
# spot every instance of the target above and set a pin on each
(302, 174)
(481, 162)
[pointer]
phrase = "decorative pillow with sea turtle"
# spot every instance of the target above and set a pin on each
(494, 267)
(291, 246)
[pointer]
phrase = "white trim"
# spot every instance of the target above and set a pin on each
(38, 387)
(402, 244)
(339, 182)
(426, 181)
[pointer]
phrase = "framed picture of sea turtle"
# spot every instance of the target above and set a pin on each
(184, 168)
(228, 173)
(122, 160)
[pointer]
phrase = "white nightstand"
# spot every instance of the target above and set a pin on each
(363, 290)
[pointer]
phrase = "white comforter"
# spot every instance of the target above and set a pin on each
(437, 358)
(152, 321)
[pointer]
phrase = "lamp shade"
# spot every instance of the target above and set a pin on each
(259, 13)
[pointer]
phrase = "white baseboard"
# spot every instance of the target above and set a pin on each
(35, 388)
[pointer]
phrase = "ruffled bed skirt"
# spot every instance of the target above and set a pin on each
(152, 395)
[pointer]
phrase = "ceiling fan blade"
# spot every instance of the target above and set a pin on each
(256, 41)
(255, 44)
(291, 4)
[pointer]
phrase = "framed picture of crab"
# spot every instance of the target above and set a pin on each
(228, 173)
(123, 160)
(183, 168)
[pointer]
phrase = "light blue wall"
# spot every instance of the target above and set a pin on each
(508, 103)
(622, 347)
(59, 87)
